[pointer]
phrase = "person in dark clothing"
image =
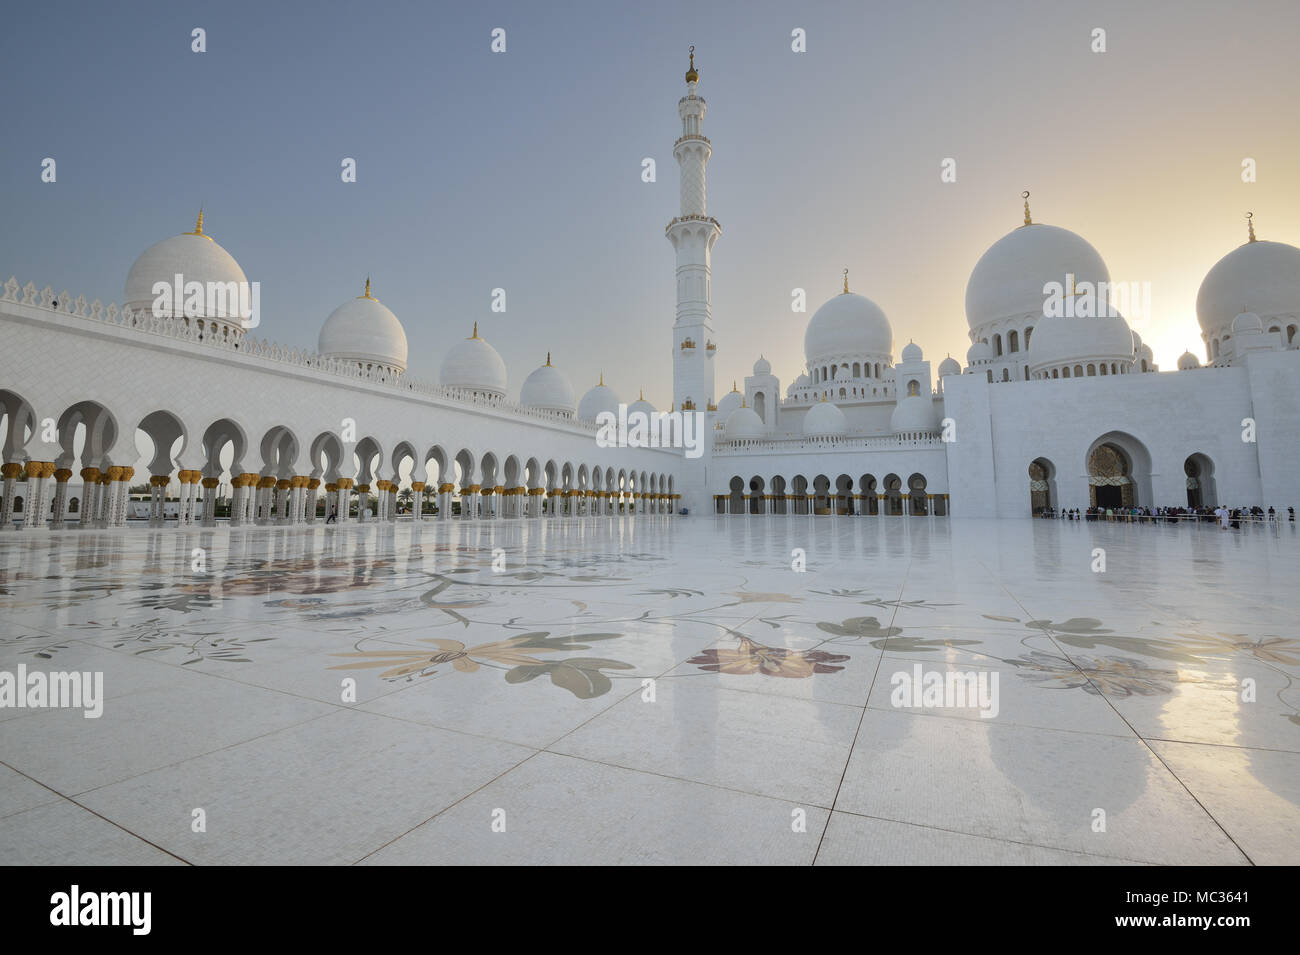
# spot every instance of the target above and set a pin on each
(334, 516)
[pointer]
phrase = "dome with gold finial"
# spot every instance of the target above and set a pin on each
(196, 257)
(1260, 277)
(548, 389)
(641, 405)
(848, 327)
(599, 399)
(1007, 281)
(729, 402)
(475, 367)
(365, 331)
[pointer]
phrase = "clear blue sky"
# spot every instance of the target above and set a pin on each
(522, 170)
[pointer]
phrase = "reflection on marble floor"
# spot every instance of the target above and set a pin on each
(655, 690)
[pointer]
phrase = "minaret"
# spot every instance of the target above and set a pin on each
(692, 234)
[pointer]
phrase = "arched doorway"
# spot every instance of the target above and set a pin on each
(867, 486)
(1200, 481)
(736, 502)
(893, 495)
(1042, 486)
(756, 502)
(917, 495)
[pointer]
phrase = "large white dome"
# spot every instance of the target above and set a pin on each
(196, 258)
(1262, 277)
(914, 414)
(824, 419)
(1065, 341)
(598, 399)
(365, 331)
(547, 388)
(848, 325)
(474, 365)
(1008, 279)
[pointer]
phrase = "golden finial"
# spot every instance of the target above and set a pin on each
(367, 292)
(198, 226)
(548, 359)
(733, 385)
(846, 281)
(692, 75)
(1250, 226)
(641, 394)
(601, 383)
(1025, 196)
(475, 335)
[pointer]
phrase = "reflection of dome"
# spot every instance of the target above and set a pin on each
(912, 352)
(744, 423)
(474, 365)
(1187, 360)
(1062, 341)
(762, 366)
(849, 324)
(949, 366)
(1008, 279)
(196, 258)
(824, 419)
(979, 352)
(1247, 322)
(365, 331)
(1261, 276)
(916, 413)
(729, 403)
(598, 399)
(547, 388)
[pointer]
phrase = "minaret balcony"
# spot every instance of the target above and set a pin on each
(695, 137)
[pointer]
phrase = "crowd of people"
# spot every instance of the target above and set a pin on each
(1226, 517)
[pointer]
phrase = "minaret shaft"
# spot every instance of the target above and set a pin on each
(692, 234)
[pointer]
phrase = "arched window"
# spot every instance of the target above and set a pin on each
(997, 344)
(1103, 368)
(1013, 342)
(1290, 334)
(1065, 372)
(1078, 371)
(1006, 375)
(913, 388)
(857, 369)
(1028, 332)
(990, 375)
(1092, 371)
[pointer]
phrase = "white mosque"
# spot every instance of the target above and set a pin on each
(1048, 411)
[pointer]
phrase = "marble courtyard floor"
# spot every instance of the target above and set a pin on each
(516, 694)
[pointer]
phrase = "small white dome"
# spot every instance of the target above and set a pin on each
(1264, 276)
(912, 352)
(979, 352)
(1008, 279)
(762, 366)
(824, 419)
(474, 365)
(599, 399)
(1247, 322)
(1060, 341)
(949, 366)
(744, 423)
(641, 405)
(196, 258)
(365, 331)
(546, 388)
(729, 403)
(1187, 360)
(916, 413)
(803, 381)
(849, 324)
